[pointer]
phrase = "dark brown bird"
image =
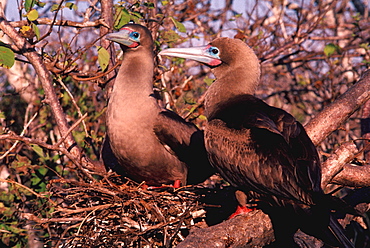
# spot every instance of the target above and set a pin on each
(144, 141)
(261, 149)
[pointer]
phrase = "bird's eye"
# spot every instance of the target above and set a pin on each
(214, 50)
(135, 35)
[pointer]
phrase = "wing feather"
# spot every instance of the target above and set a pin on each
(264, 150)
(186, 142)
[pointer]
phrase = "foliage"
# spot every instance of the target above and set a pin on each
(6, 56)
(311, 52)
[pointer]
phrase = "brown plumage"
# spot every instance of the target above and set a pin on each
(144, 141)
(261, 149)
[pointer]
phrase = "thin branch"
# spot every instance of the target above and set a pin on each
(83, 221)
(52, 22)
(336, 162)
(22, 134)
(97, 76)
(56, 147)
(88, 209)
(65, 23)
(82, 117)
(28, 189)
(71, 129)
(32, 217)
(45, 79)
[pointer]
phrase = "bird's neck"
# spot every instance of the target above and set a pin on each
(230, 83)
(131, 99)
(135, 76)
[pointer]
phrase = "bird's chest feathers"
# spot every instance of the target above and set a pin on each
(130, 102)
(129, 120)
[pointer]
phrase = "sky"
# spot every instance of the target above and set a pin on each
(11, 11)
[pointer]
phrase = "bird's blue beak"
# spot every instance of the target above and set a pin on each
(203, 54)
(124, 37)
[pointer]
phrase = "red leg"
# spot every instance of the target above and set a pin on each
(241, 210)
(176, 185)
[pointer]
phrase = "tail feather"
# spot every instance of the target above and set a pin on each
(338, 231)
(331, 231)
(321, 223)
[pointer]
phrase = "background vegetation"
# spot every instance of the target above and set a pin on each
(311, 52)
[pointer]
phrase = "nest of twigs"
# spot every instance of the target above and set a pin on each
(112, 213)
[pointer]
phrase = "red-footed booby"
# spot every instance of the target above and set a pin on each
(144, 141)
(260, 149)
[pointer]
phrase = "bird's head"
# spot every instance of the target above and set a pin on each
(209, 55)
(233, 62)
(220, 52)
(132, 36)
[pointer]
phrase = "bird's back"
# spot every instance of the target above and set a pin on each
(264, 150)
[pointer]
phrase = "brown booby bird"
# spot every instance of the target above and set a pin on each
(260, 149)
(144, 141)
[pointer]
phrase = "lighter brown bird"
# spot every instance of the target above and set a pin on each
(144, 141)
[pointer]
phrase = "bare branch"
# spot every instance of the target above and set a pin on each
(66, 23)
(28, 189)
(353, 176)
(251, 233)
(45, 78)
(336, 113)
(22, 134)
(336, 162)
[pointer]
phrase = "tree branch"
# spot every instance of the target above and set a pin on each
(107, 15)
(336, 162)
(329, 120)
(45, 79)
(67, 23)
(253, 230)
(353, 176)
(333, 116)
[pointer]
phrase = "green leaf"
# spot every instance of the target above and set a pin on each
(121, 18)
(28, 4)
(170, 36)
(32, 15)
(25, 29)
(71, 6)
(2, 115)
(136, 14)
(14, 229)
(103, 58)
(149, 5)
(55, 157)
(329, 49)
(42, 170)
(38, 150)
(6, 57)
(208, 81)
(40, 4)
(365, 46)
(202, 117)
(36, 30)
(157, 43)
(35, 179)
(178, 25)
(367, 62)
(54, 7)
